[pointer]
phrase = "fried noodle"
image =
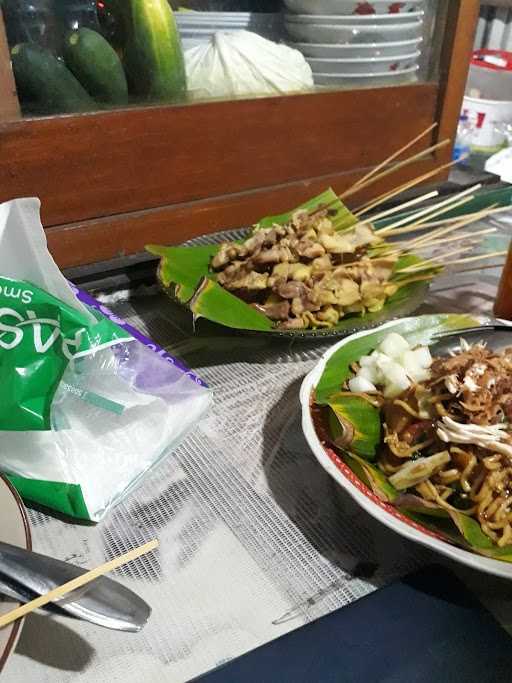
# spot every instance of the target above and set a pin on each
(470, 411)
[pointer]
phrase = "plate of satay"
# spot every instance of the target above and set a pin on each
(323, 269)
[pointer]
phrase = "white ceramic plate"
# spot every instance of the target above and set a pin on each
(336, 20)
(355, 50)
(206, 32)
(356, 33)
(209, 18)
(377, 79)
(383, 512)
(213, 15)
(353, 7)
(14, 529)
(362, 67)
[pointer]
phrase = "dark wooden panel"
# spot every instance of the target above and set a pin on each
(96, 165)
(461, 20)
(107, 238)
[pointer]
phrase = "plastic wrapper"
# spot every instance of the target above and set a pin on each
(87, 404)
(242, 63)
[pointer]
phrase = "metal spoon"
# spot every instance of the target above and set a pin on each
(25, 574)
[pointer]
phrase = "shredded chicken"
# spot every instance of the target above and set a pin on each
(491, 437)
(479, 382)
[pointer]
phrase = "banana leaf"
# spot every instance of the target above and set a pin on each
(373, 477)
(361, 421)
(341, 217)
(184, 273)
(476, 539)
(347, 417)
(419, 513)
(212, 301)
(183, 267)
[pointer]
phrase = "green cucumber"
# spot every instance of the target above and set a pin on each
(96, 65)
(153, 54)
(45, 85)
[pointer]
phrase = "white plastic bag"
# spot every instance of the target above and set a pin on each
(243, 63)
(87, 404)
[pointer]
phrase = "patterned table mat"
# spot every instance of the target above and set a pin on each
(255, 537)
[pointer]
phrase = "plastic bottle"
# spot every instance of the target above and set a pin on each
(462, 147)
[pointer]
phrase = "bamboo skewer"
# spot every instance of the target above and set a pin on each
(385, 173)
(444, 240)
(440, 232)
(429, 264)
(432, 262)
(401, 164)
(424, 266)
(476, 258)
(478, 268)
(72, 585)
(435, 243)
(368, 206)
(393, 156)
(430, 209)
(428, 213)
(469, 218)
(420, 220)
(474, 216)
(435, 234)
(400, 207)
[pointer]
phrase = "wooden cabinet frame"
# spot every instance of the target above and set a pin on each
(111, 182)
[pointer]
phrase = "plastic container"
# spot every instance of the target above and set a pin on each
(490, 75)
(488, 100)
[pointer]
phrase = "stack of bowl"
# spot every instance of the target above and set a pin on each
(198, 27)
(348, 42)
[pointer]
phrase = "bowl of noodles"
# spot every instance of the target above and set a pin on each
(414, 420)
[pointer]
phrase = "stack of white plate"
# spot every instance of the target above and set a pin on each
(198, 27)
(349, 42)
(354, 7)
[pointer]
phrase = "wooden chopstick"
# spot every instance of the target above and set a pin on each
(80, 581)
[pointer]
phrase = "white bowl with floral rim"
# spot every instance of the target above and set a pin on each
(384, 512)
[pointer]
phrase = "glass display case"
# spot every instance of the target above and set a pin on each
(147, 120)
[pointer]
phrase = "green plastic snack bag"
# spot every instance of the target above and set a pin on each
(86, 409)
(41, 335)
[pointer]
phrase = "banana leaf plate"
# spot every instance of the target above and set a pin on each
(184, 276)
(459, 537)
(184, 273)
(404, 303)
